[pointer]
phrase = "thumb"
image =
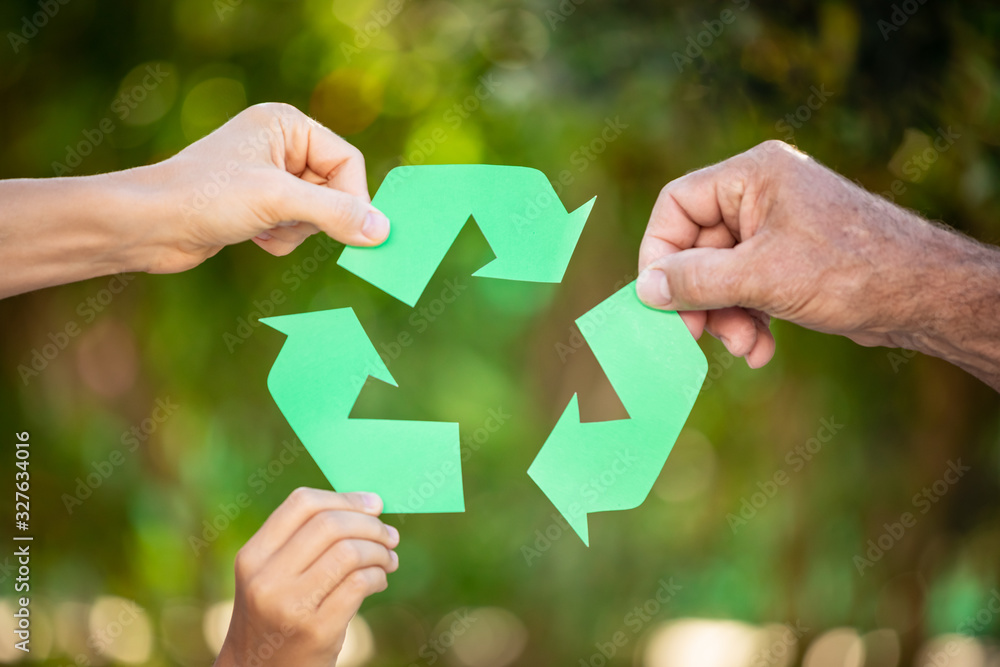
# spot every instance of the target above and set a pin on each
(698, 279)
(344, 217)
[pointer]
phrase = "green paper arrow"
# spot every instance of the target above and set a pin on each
(657, 369)
(519, 213)
(316, 379)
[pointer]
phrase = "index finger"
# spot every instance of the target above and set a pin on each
(690, 206)
(300, 506)
(311, 147)
(340, 163)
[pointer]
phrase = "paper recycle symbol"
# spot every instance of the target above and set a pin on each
(651, 360)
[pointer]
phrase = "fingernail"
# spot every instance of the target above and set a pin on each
(376, 227)
(393, 534)
(372, 501)
(264, 236)
(395, 558)
(652, 288)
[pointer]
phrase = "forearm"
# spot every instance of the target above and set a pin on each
(60, 230)
(958, 318)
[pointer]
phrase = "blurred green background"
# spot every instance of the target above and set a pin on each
(535, 83)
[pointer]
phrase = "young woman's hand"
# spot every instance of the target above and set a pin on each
(271, 174)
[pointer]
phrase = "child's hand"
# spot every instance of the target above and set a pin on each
(302, 577)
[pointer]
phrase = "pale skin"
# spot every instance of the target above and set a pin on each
(302, 577)
(271, 174)
(771, 232)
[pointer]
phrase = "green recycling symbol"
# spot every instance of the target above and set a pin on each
(653, 363)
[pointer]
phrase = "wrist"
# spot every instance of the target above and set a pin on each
(145, 226)
(955, 312)
(226, 657)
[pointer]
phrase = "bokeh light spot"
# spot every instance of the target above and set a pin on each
(121, 631)
(210, 104)
(702, 642)
(840, 647)
(488, 637)
(146, 93)
(106, 359)
(347, 100)
(215, 624)
(359, 644)
(409, 84)
(513, 38)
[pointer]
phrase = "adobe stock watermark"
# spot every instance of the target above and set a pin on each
(633, 623)
(918, 165)
(698, 43)
(224, 7)
(421, 319)
(33, 24)
(257, 482)
(102, 639)
(453, 117)
(249, 148)
(592, 490)
(901, 13)
(99, 640)
(923, 501)
(581, 159)
(562, 12)
(163, 409)
(898, 358)
(574, 341)
(60, 339)
(796, 459)
(795, 119)
(979, 622)
(293, 278)
(436, 647)
(122, 106)
(377, 20)
(586, 154)
(471, 443)
(779, 650)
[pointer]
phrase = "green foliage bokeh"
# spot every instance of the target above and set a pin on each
(526, 83)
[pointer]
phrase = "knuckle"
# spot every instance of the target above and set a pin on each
(774, 149)
(346, 208)
(329, 524)
(357, 581)
(354, 153)
(772, 146)
(244, 563)
(379, 580)
(302, 498)
(259, 595)
(313, 632)
(271, 109)
(348, 553)
(665, 191)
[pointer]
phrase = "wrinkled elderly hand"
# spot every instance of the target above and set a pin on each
(771, 232)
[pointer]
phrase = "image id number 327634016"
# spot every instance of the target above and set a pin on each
(22, 546)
